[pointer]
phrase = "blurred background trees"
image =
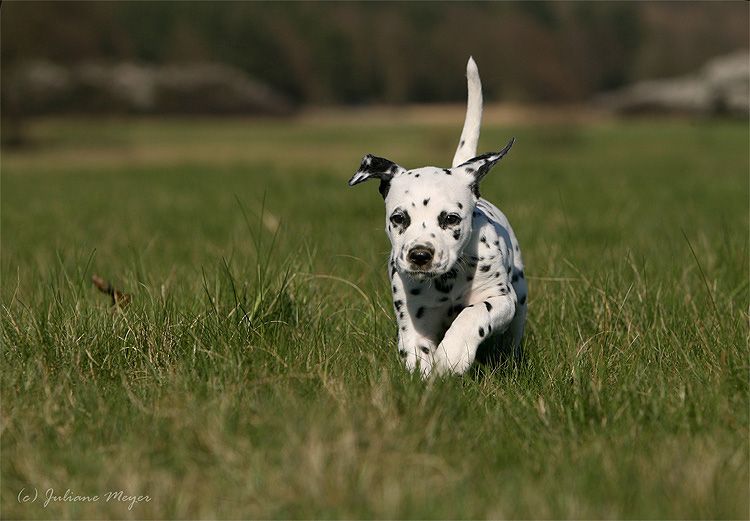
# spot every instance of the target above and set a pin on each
(372, 52)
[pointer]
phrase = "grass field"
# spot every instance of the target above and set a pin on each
(255, 372)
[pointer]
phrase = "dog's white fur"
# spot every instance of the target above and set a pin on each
(472, 291)
(467, 145)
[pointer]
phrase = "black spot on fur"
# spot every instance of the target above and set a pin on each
(481, 332)
(403, 328)
(402, 353)
(420, 312)
(489, 329)
(432, 235)
(401, 220)
(490, 157)
(447, 171)
(444, 219)
(425, 350)
(394, 289)
(377, 165)
(484, 269)
(397, 304)
(460, 206)
(416, 175)
(426, 201)
(442, 286)
(393, 272)
(415, 291)
(456, 234)
(508, 269)
(384, 187)
(497, 274)
(474, 187)
(470, 170)
(487, 305)
(401, 315)
(461, 144)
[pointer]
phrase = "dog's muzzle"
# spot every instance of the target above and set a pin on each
(420, 257)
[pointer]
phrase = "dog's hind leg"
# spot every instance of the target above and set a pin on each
(519, 320)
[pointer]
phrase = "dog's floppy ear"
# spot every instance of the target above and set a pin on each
(375, 167)
(480, 165)
(378, 168)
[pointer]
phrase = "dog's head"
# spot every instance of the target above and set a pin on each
(428, 210)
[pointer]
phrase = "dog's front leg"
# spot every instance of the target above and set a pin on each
(472, 326)
(415, 345)
(416, 350)
(416, 336)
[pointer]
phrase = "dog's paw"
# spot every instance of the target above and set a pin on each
(419, 360)
(453, 358)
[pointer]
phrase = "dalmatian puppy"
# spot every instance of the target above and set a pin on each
(455, 268)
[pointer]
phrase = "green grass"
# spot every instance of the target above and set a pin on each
(255, 373)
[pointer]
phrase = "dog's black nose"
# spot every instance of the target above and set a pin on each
(420, 255)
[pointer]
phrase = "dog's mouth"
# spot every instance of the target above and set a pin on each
(422, 275)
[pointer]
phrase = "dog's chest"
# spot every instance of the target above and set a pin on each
(449, 288)
(435, 304)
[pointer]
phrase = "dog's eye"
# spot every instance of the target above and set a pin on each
(398, 219)
(452, 219)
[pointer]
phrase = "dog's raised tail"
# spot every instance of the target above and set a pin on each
(467, 145)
